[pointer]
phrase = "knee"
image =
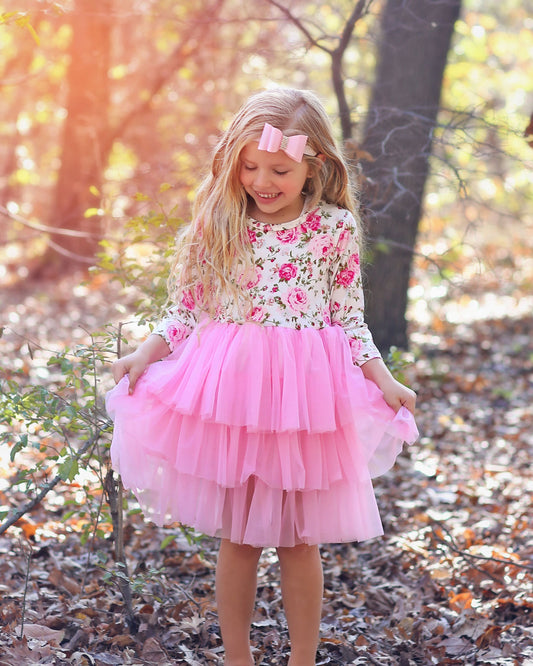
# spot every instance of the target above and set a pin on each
(301, 553)
(240, 551)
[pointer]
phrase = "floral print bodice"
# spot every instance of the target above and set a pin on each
(306, 274)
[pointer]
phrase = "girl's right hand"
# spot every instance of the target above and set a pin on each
(133, 364)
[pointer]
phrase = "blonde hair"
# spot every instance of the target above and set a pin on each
(214, 252)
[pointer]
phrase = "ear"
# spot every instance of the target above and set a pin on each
(314, 168)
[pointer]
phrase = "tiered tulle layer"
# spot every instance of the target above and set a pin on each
(264, 435)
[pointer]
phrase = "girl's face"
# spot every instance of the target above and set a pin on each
(273, 182)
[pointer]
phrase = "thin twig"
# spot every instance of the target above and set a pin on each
(115, 493)
(189, 596)
(119, 339)
(44, 490)
(26, 581)
(92, 540)
(71, 255)
(37, 226)
(301, 27)
(450, 542)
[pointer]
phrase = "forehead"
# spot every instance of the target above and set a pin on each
(251, 153)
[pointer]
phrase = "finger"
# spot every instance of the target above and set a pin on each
(409, 404)
(118, 373)
(133, 376)
(395, 404)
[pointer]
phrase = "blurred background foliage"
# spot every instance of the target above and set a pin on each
(148, 86)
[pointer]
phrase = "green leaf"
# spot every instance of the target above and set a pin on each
(23, 441)
(167, 540)
(68, 469)
(92, 212)
(5, 17)
(33, 33)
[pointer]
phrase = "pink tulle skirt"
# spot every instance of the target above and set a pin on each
(267, 436)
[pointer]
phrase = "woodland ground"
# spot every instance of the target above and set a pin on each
(449, 583)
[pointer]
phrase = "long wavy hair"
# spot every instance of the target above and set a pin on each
(214, 252)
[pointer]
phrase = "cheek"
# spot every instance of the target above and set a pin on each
(298, 184)
(243, 177)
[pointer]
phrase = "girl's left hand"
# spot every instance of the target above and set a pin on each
(397, 395)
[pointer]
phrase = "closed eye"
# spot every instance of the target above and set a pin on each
(250, 167)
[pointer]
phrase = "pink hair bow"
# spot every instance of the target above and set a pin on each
(273, 139)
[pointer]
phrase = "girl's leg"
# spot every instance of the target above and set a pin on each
(302, 583)
(236, 585)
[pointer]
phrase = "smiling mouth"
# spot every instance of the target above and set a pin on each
(263, 195)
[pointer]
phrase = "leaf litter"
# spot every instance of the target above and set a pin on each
(449, 583)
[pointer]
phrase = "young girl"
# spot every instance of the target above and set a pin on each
(272, 409)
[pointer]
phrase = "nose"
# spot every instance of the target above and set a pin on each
(262, 178)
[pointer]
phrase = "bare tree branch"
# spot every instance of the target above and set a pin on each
(167, 69)
(359, 10)
(45, 489)
(337, 56)
(46, 228)
(301, 27)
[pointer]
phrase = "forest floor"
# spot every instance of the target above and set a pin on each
(451, 582)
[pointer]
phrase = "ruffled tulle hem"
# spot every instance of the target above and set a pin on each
(257, 434)
(261, 516)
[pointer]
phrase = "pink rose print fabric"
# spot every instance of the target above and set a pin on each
(177, 332)
(188, 300)
(307, 275)
(288, 271)
(296, 300)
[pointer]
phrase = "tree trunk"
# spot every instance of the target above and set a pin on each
(85, 144)
(13, 75)
(414, 43)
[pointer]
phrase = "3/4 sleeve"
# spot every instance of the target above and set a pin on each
(346, 296)
(178, 322)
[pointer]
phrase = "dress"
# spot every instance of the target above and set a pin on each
(266, 431)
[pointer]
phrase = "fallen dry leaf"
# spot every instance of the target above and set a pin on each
(41, 632)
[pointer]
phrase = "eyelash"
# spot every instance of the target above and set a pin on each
(278, 173)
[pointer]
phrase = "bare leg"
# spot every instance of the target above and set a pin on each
(302, 583)
(236, 585)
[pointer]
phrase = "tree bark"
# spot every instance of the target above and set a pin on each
(88, 134)
(414, 43)
(85, 145)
